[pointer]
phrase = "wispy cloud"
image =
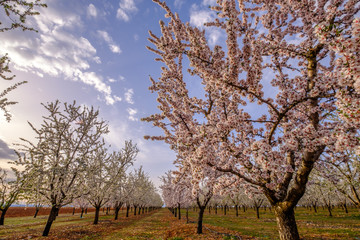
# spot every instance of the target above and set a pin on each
(132, 112)
(92, 11)
(126, 8)
(112, 45)
(199, 16)
(179, 3)
(209, 2)
(57, 49)
(129, 96)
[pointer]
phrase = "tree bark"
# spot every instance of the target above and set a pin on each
(82, 212)
(286, 223)
(2, 217)
(187, 215)
(329, 210)
(257, 212)
(200, 220)
(53, 213)
(36, 212)
(97, 211)
(73, 211)
(179, 214)
(237, 210)
(135, 210)
(117, 209)
(127, 211)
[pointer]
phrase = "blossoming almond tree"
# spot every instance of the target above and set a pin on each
(104, 172)
(66, 138)
(11, 189)
(270, 44)
(346, 43)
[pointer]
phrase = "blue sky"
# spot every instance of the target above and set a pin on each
(93, 52)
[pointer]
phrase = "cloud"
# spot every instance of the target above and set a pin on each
(112, 45)
(91, 11)
(198, 17)
(126, 7)
(6, 152)
(57, 50)
(209, 2)
(132, 112)
(178, 3)
(129, 96)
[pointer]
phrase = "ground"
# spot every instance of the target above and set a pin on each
(161, 224)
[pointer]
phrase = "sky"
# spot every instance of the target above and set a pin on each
(93, 52)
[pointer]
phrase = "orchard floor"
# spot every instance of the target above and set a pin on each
(161, 224)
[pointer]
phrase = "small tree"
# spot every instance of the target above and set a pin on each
(66, 138)
(10, 190)
(104, 173)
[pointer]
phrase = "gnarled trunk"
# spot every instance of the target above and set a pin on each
(53, 213)
(285, 219)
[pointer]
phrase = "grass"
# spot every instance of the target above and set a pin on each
(163, 225)
(311, 225)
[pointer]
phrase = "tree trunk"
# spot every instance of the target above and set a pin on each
(36, 212)
(187, 215)
(315, 209)
(117, 209)
(53, 213)
(97, 211)
(329, 210)
(135, 207)
(179, 211)
(143, 210)
(216, 209)
(127, 211)
(82, 212)
(175, 212)
(286, 223)
(257, 212)
(85, 210)
(200, 220)
(345, 207)
(237, 210)
(73, 211)
(139, 211)
(2, 217)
